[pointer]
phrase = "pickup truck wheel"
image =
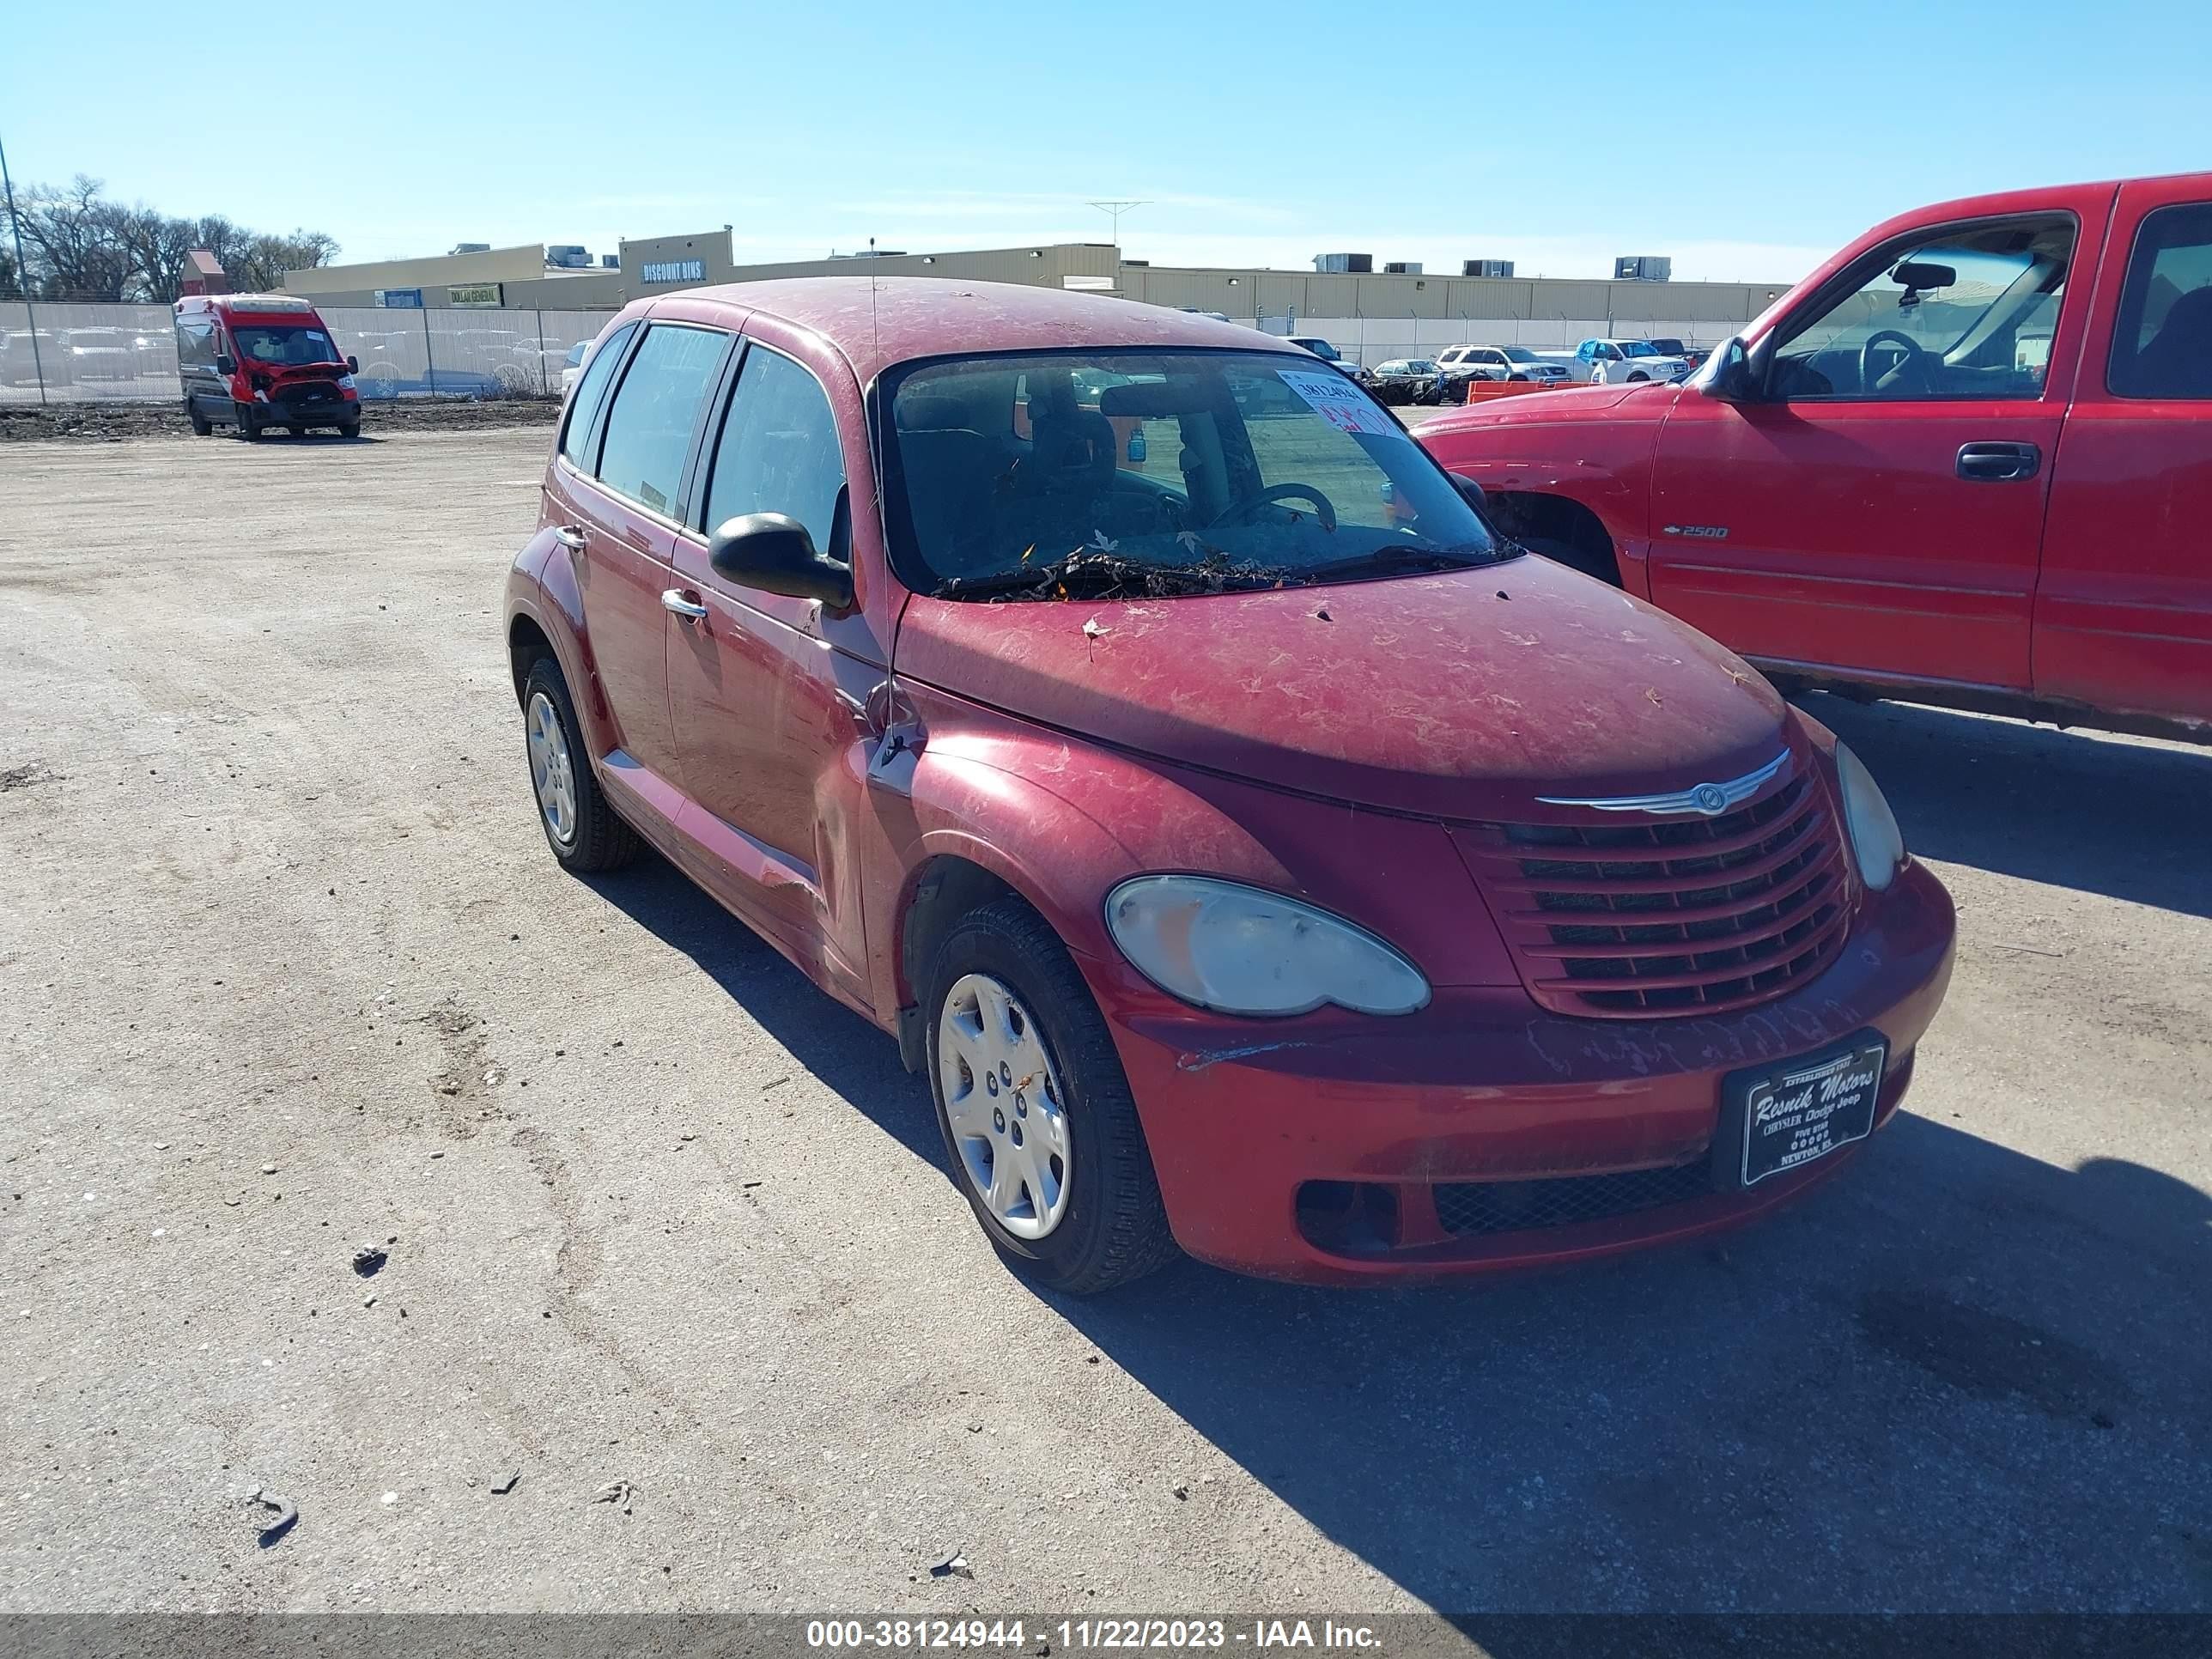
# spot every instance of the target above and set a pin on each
(1036, 1111)
(580, 825)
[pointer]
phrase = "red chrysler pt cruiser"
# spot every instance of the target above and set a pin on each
(1257, 852)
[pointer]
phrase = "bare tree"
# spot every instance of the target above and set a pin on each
(79, 246)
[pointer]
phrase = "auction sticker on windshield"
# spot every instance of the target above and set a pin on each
(1338, 402)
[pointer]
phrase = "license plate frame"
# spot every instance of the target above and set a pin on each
(1784, 1117)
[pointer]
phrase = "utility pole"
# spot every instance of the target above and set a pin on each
(23, 276)
(1114, 211)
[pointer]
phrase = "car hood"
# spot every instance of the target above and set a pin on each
(1461, 694)
(1581, 401)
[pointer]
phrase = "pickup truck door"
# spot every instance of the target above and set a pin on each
(2123, 615)
(1876, 507)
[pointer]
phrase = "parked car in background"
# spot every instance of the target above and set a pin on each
(1494, 362)
(1869, 487)
(1668, 345)
(1408, 380)
(571, 365)
(1329, 355)
(24, 359)
(1619, 362)
(1168, 817)
(95, 353)
(255, 361)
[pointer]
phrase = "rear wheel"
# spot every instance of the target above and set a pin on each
(1035, 1108)
(580, 825)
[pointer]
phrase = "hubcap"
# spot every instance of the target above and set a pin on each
(551, 772)
(990, 1056)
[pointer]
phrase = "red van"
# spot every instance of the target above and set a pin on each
(1256, 854)
(1967, 461)
(258, 360)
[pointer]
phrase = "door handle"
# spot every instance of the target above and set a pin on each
(1998, 463)
(689, 610)
(569, 536)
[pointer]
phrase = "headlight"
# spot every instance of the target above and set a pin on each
(345, 382)
(1876, 841)
(1241, 949)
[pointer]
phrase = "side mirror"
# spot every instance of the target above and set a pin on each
(226, 364)
(1729, 374)
(353, 365)
(772, 551)
(1475, 498)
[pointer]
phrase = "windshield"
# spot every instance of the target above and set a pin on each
(1319, 349)
(1155, 472)
(1638, 349)
(1518, 354)
(283, 343)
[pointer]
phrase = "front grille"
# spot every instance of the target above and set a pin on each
(1688, 916)
(1469, 1208)
(306, 392)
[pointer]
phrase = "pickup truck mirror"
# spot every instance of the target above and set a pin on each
(773, 551)
(1729, 374)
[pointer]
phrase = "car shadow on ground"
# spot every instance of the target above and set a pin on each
(1953, 1378)
(2072, 809)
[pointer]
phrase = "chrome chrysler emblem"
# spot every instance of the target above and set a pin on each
(1707, 800)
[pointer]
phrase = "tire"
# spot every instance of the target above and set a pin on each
(350, 429)
(248, 428)
(1639, 376)
(201, 425)
(1112, 1228)
(595, 839)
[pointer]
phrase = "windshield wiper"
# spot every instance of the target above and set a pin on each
(1093, 569)
(1393, 556)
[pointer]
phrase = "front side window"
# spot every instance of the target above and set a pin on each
(195, 344)
(778, 452)
(590, 392)
(2162, 342)
(1968, 313)
(1126, 473)
(283, 344)
(656, 413)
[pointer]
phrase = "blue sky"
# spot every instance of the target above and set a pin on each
(1746, 141)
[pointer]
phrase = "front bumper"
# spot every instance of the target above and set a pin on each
(1313, 1149)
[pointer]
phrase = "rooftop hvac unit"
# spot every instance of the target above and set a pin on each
(468, 247)
(1355, 264)
(569, 256)
(1642, 268)
(1401, 268)
(1485, 267)
(610, 262)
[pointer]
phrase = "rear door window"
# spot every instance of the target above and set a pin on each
(655, 416)
(590, 392)
(2162, 342)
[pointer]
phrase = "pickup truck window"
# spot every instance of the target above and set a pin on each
(1966, 314)
(2162, 343)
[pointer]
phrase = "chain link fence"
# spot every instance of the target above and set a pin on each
(59, 353)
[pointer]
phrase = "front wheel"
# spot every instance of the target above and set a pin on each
(248, 428)
(1036, 1110)
(201, 425)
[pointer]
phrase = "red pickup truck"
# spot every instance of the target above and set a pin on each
(1967, 461)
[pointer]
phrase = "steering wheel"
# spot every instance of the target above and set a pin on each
(1324, 509)
(1914, 359)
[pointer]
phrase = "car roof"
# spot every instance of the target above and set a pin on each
(877, 321)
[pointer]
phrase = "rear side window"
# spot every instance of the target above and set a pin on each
(2162, 343)
(590, 392)
(779, 450)
(656, 413)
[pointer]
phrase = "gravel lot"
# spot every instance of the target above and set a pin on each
(287, 970)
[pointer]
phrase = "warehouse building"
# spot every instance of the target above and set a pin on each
(1369, 315)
